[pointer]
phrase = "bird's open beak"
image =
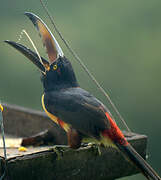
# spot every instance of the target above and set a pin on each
(30, 55)
(51, 44)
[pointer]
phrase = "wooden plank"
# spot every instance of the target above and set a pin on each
(27, 122)
(64, 163)
(85, 163)
(61, 163)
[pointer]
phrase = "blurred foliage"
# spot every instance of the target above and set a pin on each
(119, 41)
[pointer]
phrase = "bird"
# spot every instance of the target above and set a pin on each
(74, 109)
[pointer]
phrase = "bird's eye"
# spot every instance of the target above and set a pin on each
(55, 67)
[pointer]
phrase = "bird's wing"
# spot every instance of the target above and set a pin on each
(78, 108)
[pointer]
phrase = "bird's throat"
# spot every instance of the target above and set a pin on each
(61, 123)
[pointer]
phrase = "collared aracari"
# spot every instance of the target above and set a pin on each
(77, 111)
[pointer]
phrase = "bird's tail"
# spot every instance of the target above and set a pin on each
(118, 139)
(140, 163)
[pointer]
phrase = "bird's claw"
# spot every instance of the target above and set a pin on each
(94, 146)
(59, 150)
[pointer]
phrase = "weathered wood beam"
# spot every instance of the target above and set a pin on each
(85, 163)
(25, 122)
(63, 162)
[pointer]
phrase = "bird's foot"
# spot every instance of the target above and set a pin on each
(94, 146)
(59, 150)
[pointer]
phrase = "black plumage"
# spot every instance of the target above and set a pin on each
(73, 108)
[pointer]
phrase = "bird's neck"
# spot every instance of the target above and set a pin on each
(62, 86)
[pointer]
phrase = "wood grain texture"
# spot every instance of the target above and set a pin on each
(62, 162)
(25, 122)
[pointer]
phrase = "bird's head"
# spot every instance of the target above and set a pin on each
(57, 73)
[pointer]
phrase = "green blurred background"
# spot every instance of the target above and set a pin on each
(119, 41)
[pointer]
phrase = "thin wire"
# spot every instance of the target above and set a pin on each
(3, 138)
(83, 66)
